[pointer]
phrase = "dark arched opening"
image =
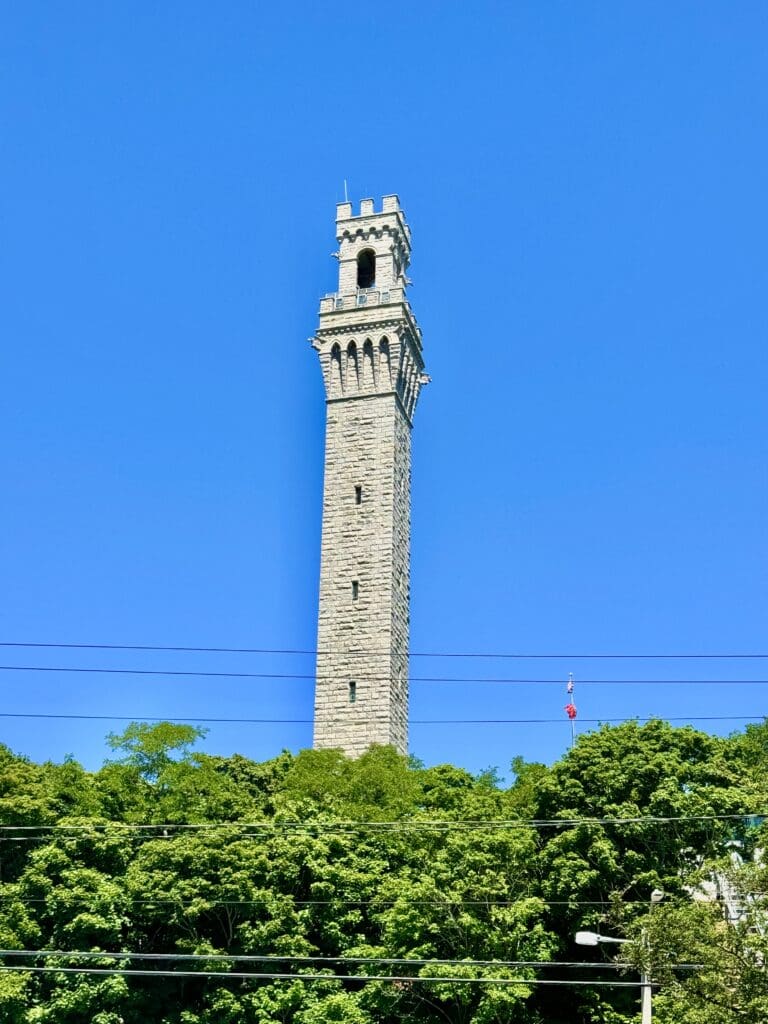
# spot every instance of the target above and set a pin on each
(366, 268)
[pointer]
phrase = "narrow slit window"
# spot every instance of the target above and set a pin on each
(352, 692)
(355, 589)
(358, 495)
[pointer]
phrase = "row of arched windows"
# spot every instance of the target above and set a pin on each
(354, 369)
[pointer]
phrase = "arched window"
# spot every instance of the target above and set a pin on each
(385, 370)
(336, 384)
(366, 268)
(369, 379)
(352, 376)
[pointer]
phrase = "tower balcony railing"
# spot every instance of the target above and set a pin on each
(361, 297)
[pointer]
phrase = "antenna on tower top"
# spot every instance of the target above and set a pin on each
(346, 197)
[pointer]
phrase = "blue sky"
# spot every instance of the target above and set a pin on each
(586, 188)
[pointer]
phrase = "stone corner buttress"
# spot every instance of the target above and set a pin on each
(369, 346)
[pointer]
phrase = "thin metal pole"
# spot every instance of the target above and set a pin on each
(646, 995)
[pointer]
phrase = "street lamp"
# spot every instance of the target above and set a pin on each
(646, 992)
(594, 939)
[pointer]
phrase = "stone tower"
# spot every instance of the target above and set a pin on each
(370, 352)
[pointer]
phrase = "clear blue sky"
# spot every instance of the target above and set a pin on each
(586, 185)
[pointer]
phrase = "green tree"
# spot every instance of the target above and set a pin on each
(723, 978)
(373, 859)
(14, 996)
(151, 749)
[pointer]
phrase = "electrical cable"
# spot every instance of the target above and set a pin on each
(413, 721)
(417, 825)
(370, 678)
(275, 976)
(363, 653)
(350, 903)
(273, 958)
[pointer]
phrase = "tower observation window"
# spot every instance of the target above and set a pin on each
(366, 268)
(352, 692)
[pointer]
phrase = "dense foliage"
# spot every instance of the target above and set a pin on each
(363, 862)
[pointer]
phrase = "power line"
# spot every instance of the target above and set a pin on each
(413, 721)
(276, 976)
(364, 653)
(188, 673)
(385, 826)
(274, 958)
(355, 903)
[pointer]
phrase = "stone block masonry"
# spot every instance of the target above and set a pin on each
(370, 353)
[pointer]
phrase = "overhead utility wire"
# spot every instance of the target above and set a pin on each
(368, 678)
(275, 976)
(273, 958)
(437, 825)
(351, 903)
(363, 653)
(413, 721)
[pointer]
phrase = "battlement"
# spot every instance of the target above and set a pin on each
(389, 219)
(374, 245)
(389, 204)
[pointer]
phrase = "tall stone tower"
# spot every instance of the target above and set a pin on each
(370, 352)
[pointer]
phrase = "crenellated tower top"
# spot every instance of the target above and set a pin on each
(374, 247)
(368, 339)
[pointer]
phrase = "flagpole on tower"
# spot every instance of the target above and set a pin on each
(570, 708)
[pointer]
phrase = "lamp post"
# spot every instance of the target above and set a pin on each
(646, 992)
